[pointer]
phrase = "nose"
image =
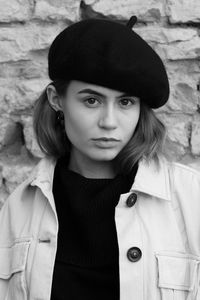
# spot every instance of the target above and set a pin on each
(107, 118)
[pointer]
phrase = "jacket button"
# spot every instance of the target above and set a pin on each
(134, 254)
(132, 198)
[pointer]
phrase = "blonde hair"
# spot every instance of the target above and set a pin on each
(146, 142)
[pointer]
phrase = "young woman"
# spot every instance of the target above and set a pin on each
(104, 215)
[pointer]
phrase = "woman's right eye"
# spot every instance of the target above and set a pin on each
(92, 102)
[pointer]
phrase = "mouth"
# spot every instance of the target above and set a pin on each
(105, 143)
(106, 139)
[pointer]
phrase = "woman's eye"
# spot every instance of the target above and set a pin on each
(91, 101)
(127, 102)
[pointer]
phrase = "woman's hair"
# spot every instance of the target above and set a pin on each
(146, 142)
(50, 134)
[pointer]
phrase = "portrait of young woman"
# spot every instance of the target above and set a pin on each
(104, 215)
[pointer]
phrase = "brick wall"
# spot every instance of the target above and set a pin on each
(27, 27)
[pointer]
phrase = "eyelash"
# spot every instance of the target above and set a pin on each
(130, 100)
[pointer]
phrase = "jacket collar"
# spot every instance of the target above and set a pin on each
(151, 178)
(43, 172)
(42, 176)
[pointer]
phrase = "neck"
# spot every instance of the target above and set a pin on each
(90, 168)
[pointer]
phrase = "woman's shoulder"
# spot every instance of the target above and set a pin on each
(167, 169)
(41, 172)
(20, 203)
(184, 185)
(180, 171)
(183, 179)
(193, 167)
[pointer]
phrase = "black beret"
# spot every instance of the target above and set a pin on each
(109, 54)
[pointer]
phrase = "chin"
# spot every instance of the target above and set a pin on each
(104, 155)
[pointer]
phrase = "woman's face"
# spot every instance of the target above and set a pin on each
(94, 112)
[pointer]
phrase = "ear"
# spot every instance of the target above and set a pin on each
(53, 98)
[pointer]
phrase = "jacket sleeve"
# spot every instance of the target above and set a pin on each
(14, 245)
(186, 197)
(185, 183)
(4, 245)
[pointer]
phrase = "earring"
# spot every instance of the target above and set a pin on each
(60, 117)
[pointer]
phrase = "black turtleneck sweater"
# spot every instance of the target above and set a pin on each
(86, 265)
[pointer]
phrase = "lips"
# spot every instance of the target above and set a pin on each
(106, 143)
(106, 139)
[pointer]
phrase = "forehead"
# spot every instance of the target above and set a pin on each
(80, 87)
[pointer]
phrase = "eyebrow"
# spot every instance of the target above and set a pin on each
(94, 92)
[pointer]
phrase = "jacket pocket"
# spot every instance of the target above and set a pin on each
(13, 285)
(178, 276)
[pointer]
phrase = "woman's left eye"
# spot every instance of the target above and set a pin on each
(127, 101)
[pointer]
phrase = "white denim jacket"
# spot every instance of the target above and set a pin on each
(164, 224)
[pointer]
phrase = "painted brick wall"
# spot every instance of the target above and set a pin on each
(27, 27)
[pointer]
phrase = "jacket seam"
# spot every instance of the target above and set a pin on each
(184, 167)
(36, 237)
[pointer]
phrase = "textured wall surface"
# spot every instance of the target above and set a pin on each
(27, 27)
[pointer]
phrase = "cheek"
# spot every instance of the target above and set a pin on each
(130, 123)
(76, 126)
